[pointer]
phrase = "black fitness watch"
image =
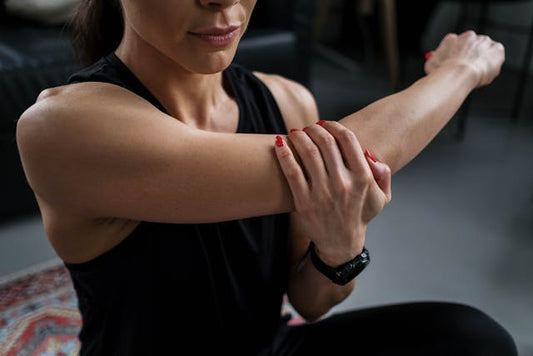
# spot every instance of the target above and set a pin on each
(344, 273)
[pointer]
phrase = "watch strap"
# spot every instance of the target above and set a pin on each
(344, 273)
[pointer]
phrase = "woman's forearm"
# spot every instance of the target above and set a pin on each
(396, 128)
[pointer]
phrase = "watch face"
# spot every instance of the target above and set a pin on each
(348, 271)
(345, 270)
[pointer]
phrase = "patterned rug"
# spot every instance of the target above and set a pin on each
(38, 313)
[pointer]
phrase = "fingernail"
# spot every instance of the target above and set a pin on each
(429, 55)
(294, 130)
(279, 141)
(321, 122)
(369, 155)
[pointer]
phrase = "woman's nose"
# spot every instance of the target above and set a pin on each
(218, 4)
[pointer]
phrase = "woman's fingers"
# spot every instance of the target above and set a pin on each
(292, 170)
(339, 149)
(309, 155)
(328, 147)
(349, 145)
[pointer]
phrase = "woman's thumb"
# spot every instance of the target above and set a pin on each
(382, 174)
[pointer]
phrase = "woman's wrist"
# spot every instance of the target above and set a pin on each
(469, 75)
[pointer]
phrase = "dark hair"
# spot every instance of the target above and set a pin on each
(97, 27)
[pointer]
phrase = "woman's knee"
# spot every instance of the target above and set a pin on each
(469, 328)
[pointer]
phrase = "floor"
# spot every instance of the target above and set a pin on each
(459, 227)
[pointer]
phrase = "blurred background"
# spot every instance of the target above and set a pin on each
(460, 225)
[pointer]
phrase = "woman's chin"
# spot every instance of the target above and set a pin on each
(212, 63)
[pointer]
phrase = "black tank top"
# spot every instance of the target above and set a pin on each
(168, 288)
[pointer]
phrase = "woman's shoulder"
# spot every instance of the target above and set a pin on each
(67, 92)
(296, 102)
(65, 121)
(55, 103)
(68, 109)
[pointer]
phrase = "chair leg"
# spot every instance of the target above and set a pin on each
(461, 119)
(483, 16)
(523, 77)
(390, 41)
(464, 110)
(462, 114)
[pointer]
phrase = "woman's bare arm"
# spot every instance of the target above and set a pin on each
(101, 151)
(396, 128)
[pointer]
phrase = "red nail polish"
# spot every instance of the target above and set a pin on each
(294, 130)
(321, 122)
(369, 155)
(279, 141)
(429, 55)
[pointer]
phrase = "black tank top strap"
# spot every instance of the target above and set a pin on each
(259, 111)
(110, 69)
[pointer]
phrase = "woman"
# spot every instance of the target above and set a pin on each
(158, 186)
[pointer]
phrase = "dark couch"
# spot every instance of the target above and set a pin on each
(35, 56)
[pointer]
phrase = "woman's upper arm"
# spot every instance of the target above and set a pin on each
(112, 154)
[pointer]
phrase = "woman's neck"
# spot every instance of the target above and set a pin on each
(193, 98)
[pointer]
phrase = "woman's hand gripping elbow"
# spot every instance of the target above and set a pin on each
(337, 190)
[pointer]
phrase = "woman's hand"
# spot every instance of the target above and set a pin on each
(337, 189)
(479, 52)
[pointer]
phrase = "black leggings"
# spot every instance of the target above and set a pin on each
(424, 328)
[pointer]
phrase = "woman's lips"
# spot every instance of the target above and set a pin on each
(218, 37)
